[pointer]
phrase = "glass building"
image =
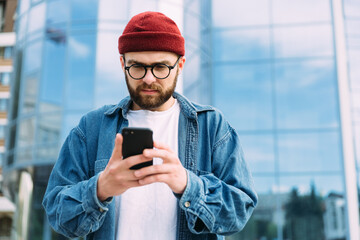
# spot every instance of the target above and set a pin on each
(283, 72)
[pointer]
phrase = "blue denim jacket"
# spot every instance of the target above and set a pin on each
(219, 197)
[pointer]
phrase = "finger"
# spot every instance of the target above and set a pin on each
(163, 146)
(154, 169)
(164, 178)
(165, 155)
(134, 160)
(117, 151)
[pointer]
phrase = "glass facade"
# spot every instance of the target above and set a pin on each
(269, 66)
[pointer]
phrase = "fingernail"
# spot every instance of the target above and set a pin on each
(137, 173)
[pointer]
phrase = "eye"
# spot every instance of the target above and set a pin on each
(160, 67)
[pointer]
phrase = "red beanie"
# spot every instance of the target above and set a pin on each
(151, 31)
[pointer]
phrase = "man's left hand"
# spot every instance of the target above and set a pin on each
(170, 171)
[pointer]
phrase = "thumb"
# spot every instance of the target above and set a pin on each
(117, 151)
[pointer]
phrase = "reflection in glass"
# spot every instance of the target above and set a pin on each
(310, 41)
(310, 152)
(244, 95)
(110, 82)
(313, 204)
(57, 12)
(304, 11)
(79, 88)
(84, 9)
(53, 72)
(259, 152)
(49, 126)
(264, 221)
(113, 10)
(26, 132)
(306, 94)
(235, 45)
(30, 93)
(33, 57)
(37, 17)
(229, 13)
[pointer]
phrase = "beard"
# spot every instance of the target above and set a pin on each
(150, 102)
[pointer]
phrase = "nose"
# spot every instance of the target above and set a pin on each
(149, 78)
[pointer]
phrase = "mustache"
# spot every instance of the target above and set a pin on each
(145, 86)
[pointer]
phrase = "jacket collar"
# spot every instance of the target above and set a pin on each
(188, 108)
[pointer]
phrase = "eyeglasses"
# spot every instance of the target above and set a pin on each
(138, 71)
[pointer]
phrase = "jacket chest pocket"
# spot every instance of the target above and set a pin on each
(100, 165)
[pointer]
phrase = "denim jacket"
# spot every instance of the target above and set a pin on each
(219, 197)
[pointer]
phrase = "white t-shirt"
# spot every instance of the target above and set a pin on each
(150, 212)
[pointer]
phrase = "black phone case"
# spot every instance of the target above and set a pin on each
(135, 140)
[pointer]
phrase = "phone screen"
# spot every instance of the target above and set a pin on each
(135, 140)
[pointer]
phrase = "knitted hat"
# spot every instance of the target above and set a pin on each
(151, 31)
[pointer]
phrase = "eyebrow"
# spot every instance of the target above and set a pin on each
(132, 61)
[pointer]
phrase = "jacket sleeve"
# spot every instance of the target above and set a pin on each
(220, 201)
(70, 201)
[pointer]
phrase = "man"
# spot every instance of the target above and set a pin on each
(200, 186)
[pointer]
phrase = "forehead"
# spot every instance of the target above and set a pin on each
(150, 57)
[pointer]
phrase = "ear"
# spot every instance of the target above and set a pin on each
(181, 63)
(122, 62)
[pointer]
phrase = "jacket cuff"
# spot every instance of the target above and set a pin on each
(92, 204)
(193, 203)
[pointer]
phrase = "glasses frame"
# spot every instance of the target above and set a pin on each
(127, 68)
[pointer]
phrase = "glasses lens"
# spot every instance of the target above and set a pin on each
(137, 71)
(161, 71)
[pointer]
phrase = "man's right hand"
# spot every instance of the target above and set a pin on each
(117, 176)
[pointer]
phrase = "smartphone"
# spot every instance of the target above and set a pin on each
(135, 140)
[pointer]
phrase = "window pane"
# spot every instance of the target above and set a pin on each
(306, 94)
(262, 224)
(259, 152)
(304, 11)
(84, 9)
(303, 41)
(33, 58)
(229, 13)
(309, 152)
(58, 11)
(109, 86)
(81, 72)
(26, 132)
(352, 8)
(232, 45)
(30, 93)
(49, 128)
(354, 70)
(113, 10)
(37, 17)
(309, 207)
(243, 94)
(53, 72)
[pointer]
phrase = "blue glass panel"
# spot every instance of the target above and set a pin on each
(23, 6)
(352, 8)
(81, 72)
(249, 44)
(33, 57)
(309, 152)
(21, 26)
(110, 84)
(26, 132)
(30, 93)
(54, 70)
(48, 129)
(58, 11)
(84, 9)
(37, 18)
(229, 13)
(306, 95)
(259, 152)
(304, 11)
(303, 41)
(310, 206)
(243, 94)
(262, 224)
(114, 10)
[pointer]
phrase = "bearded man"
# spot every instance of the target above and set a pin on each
(200, 187)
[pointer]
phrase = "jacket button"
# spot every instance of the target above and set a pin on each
(187, 204)
(101, 210)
